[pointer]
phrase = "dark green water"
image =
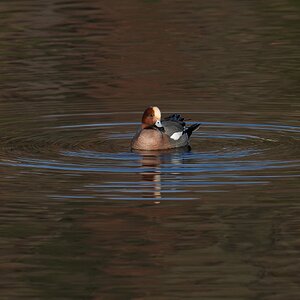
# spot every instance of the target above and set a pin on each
(83, 217)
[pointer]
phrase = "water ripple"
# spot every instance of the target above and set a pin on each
(223, 155)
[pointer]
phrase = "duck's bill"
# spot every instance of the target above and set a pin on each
(158, 124)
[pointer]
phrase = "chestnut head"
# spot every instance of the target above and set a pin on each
(151, 117)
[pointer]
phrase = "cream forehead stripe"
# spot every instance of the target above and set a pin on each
(157, 113)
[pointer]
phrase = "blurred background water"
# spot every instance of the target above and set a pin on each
(84, 217)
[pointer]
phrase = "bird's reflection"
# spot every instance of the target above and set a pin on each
(151, 166)
(151, 162)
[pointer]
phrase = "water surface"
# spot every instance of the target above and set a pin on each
(83, 216)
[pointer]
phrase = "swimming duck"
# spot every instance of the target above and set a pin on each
(155, 134)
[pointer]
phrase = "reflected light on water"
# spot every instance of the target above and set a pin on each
(79, 214)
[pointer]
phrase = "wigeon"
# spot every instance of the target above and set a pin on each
(155, 134)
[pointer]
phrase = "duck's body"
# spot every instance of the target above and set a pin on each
(161, 135)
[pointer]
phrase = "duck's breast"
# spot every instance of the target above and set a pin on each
(150, 139)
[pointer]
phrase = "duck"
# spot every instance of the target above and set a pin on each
(157, 134)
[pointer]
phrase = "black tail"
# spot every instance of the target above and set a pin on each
(180, 119)
(192, 128)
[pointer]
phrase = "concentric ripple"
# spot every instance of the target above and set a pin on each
(223, 156)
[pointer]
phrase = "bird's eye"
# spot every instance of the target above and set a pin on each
(151, 115)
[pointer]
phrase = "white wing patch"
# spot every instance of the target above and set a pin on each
(176, 135)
